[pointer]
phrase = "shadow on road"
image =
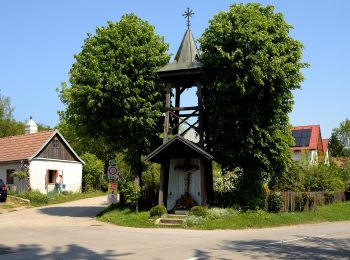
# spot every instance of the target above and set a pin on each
(306, 248)
(68, 252)
(72, 211)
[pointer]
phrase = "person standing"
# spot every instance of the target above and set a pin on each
(58, 183)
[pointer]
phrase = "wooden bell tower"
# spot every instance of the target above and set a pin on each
(186, 171)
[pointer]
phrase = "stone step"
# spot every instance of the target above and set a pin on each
(169, 221)
(181, 212)
(176, 216)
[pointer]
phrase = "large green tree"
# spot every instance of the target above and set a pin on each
(115, 92)
(251, 65)
(339, 143)
(8, 126)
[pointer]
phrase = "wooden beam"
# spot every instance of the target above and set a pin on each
(185, 108)
(166, 116)
(161, 185)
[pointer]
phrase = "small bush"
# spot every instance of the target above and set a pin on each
(192, 220)
(274, 202)
(329, 197)
(65, 192)
(92, 172)
(158, 210)
(38, 198)
(35, 197)
(218, 213)
(131, 193)
(199, 211)
(299, 203)
(311, 202)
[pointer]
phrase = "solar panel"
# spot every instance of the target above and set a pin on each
(296, 133)
(301, 137)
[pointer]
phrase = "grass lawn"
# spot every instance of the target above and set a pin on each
(38, 199)
(233, 219)
(11, 205)
(126, 217)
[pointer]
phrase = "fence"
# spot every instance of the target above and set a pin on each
(299, 201)
(148, 199)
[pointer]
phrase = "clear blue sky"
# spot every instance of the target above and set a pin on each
(38, 39)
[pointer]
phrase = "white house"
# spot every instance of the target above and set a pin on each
(309, 145)
(43, 155)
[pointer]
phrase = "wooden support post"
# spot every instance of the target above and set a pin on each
(200, 116)
(177, 112)
(167, 116)
(161, 185)
(203, 190)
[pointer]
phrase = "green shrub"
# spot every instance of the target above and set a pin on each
(158, 210)
(322, 177)
(131, 193)
(328, 197)
(35, 197)
(219, 213)
(192, 220)
(65, 192)
(299, 203)
(291, 180)
(92, 172)
(310, 200)
(199, 211)
(274, 202)
(304, 201)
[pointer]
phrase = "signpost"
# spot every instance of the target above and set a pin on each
(112, 186)
(112, 172)
(112, 162)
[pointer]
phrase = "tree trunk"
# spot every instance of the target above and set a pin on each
(136, 171)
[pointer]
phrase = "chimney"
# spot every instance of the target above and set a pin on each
(31, 127)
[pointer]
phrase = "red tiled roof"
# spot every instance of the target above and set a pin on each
(325, 145)
(22, 147)
(315, 130)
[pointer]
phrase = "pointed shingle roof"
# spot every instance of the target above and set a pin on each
(177, 147)
(315, 135)
(26, 147)
(22, 147)
(186, 57)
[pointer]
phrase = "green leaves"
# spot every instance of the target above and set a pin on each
(92, 172)
(115, 92)
(251, 65)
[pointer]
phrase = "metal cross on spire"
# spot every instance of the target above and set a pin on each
(188, 14)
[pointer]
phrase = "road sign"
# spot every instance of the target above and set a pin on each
(112, 172)
(112, 162)
(112, 186)
(113, 198)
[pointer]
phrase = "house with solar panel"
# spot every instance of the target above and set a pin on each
(309, 145)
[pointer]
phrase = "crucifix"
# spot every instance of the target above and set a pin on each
(186, 169)
(188, 14)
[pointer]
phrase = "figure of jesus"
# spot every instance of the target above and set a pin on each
(186, 171)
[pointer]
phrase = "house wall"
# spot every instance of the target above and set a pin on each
(326, 157)
(57, 149)
(7, 166)
(313, 157)
(310, 155)
(72, 174)
(296, 156)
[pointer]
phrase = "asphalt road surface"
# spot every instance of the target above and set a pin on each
(69, 231)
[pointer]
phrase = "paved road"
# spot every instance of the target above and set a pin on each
(69, 231)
